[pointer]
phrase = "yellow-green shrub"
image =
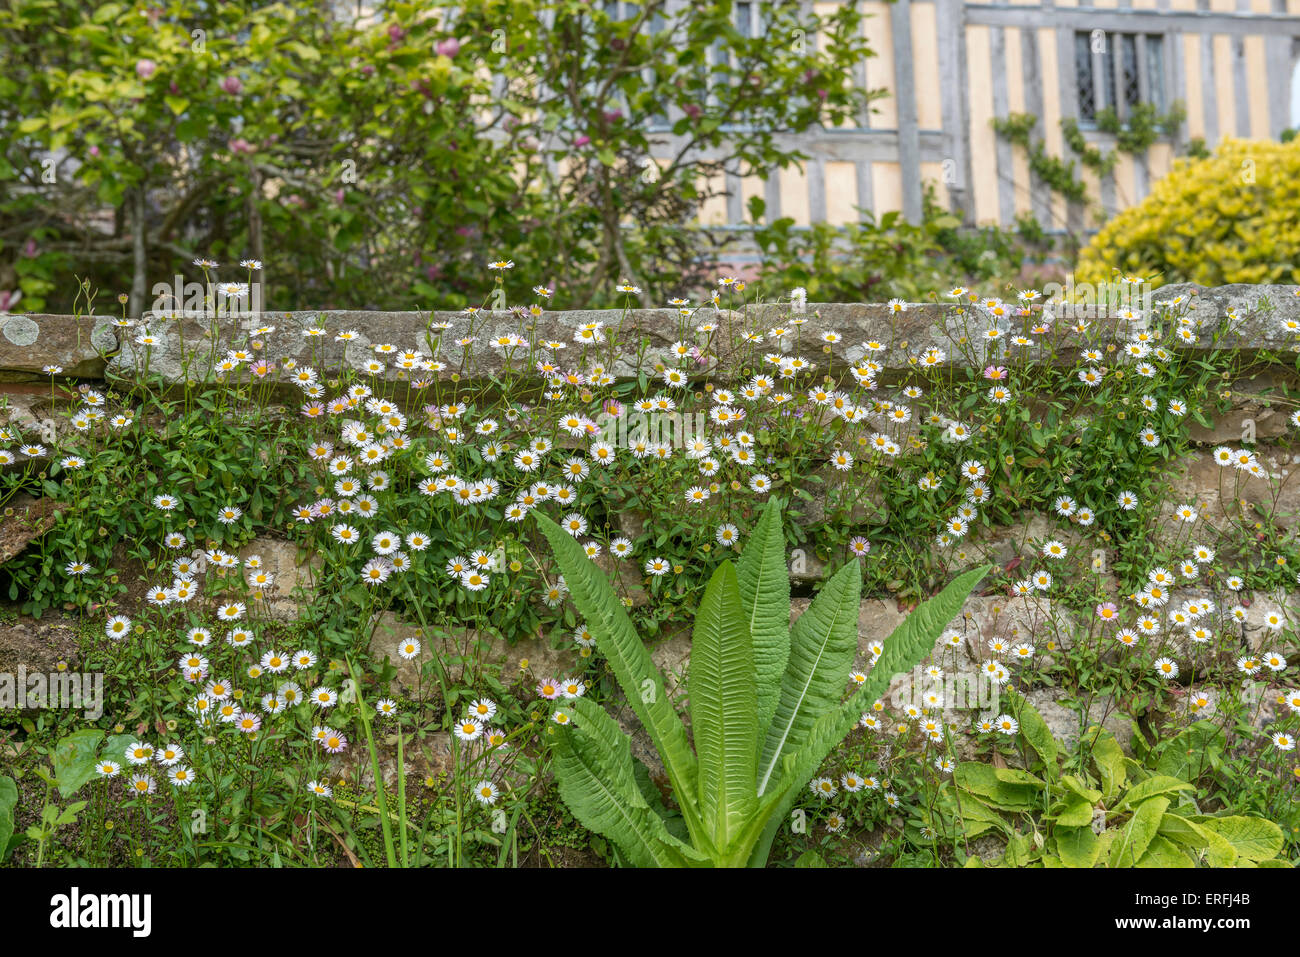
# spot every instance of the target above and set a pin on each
(1231, 217)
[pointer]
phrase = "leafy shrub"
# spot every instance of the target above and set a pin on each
(1233, 217)
(764, 702)
(1120, 815)
(344, 149)
(876, 260)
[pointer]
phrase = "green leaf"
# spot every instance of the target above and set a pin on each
(764, 582)
(1141, 748)
(810, 859)
(1219, 851)
(304, 50)
(649, 790)
(1109, 758)
(177, 104)
(69, 813)
(593, 769)
(1182, 831)
(1016, 776)
(1253, 838)
(1192, 751)
(1077, 812)
(74, 760)
(1078, 787)
(1162, 852)
(823, 644)
(1020, 850)
(8, 808)
(1136, 835)
(904, 649)
(981, 781)
(1160, 784)
(1076, 846)
(1035, 731)
(973, 817)
(630, 661)
(723, 705)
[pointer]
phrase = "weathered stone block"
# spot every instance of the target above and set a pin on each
(78, 345)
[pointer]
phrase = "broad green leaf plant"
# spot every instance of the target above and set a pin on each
(1125, 815)
(765, 703)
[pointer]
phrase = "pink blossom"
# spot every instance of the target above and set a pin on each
(232, 85)
(144, 68)
(448, 48)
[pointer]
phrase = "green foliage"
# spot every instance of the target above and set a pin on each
(1112, 813)
(876, 260)
(1143, 127)
(1056, 173)
(741, 795)
(74, 760)
(764, 583)
(369, 161)
(8, 807)
(1229, 218)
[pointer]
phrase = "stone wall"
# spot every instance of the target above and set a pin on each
(96, 352)
(92, 347)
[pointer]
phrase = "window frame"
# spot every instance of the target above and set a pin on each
(1106, 73)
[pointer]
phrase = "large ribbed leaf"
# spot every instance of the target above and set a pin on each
(823, 644)
(630, 661)
(723, 706)
(594, 771)
(916, 636)
(764, 583)
(904, 649)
